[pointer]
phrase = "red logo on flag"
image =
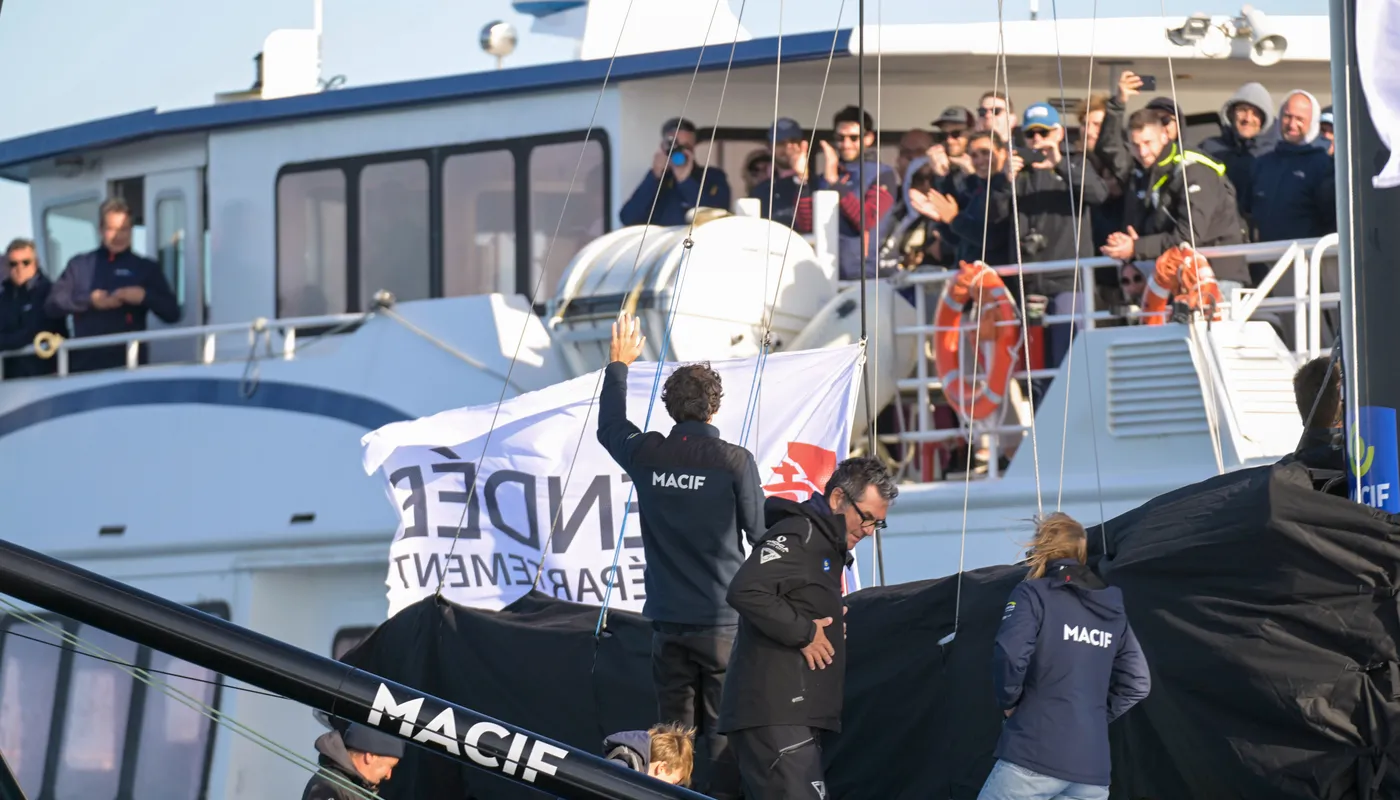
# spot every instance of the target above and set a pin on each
(804, 470)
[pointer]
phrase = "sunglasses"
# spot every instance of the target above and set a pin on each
(21, 262)
(1037, 133)
(846, 137)
(1130, 280)
(995, 112)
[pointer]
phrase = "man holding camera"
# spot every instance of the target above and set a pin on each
(1049, 185)
(675, 185)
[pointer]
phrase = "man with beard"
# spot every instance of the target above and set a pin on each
(786, 187)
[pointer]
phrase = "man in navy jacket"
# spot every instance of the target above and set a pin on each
(1065, 665)
(1295, 188)
(698, 497)
(22, 315)
(110, 290)
(673, 185)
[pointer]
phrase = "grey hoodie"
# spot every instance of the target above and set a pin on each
(1256, 95)
(1238, 154)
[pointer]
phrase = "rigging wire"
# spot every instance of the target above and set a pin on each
(539, 281)
(689, 243)
(219, 683)
(1203, 342)
(1074, 295)
(756, 384)
(193, 703)
(877, 543)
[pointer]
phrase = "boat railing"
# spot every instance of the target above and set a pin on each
(204, 338)
(1304, 258)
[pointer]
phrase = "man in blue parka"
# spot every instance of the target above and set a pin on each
(1294, 184)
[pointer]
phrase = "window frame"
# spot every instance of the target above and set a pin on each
(519, 148)
(131, 748)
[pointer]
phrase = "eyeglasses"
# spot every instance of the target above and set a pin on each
(867, 519)
(1130, 280)
(21, 262)
(955, 133)
(846, 137)
(995, 112)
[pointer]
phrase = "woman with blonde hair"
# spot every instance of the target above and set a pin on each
(1065, 665)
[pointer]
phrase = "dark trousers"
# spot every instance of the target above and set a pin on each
(780, 762)
(688, 664)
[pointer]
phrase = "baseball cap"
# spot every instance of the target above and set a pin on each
(1163, 104)
(1040, 115)
(954, 115)
(1326, 118)
(785, 130)
(369, 740)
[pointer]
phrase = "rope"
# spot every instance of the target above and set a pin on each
(670, 323)
(1074, 295)
(1212, 406)
(756, 384)
(186, 700)
(877, 540)
(539, 281)
(449, 349)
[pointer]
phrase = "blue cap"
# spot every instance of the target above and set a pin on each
(1326, 118)
(786, 130)
(1040, 115)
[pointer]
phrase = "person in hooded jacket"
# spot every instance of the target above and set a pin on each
(1295, 190)
(787, 672)
(1065, 664)
(22, 316)
(1247, 131)
(353, 763)
(666, 752)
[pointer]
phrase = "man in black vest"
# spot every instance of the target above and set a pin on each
(696, 494)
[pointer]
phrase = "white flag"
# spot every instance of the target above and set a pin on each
(531, 482)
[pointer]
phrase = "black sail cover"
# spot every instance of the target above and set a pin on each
(1267, 611)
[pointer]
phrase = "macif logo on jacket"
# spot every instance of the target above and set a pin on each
(520, 502)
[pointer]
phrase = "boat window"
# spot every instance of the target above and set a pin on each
(311, 242)
(393, 218)
(28, 686)
(478, 223)
(174, 739)
(170, 243)
(347, 639)
(94, 723)
(69, 229)
(584, 218)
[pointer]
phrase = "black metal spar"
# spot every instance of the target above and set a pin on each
(319, 682)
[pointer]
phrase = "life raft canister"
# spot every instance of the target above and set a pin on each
(971, 398)
(1183, 275)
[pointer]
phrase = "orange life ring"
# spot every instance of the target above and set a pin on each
(971, 398)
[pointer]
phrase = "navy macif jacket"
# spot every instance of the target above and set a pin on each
(1067, 661)
(22, 317)
(698, 497)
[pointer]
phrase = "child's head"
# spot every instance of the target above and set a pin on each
(672, 753)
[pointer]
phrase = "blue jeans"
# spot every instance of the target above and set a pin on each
(1011, 782)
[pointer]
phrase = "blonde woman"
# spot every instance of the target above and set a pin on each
(1065, 664)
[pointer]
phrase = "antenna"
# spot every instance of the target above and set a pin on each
(317, 20)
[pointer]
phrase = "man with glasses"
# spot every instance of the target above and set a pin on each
(949, 155)
(994, 116)
(786, 674)
(841, 171)
(22, 316)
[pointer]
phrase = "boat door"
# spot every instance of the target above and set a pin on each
(174, 217)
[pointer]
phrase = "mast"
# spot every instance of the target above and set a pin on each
(331, 686)
(1368, 255)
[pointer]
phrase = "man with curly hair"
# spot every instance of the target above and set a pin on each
(698, 497)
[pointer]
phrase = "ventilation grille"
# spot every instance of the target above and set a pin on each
(1154, 390)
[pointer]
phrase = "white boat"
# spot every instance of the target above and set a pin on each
(226, 473)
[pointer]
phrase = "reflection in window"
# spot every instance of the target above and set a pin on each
(552, 169)
(478, 224)
(94, 724)
(311, 243)
(28, 679)
(69, 230)
(394, 230)
(174, 737)
(170, 243)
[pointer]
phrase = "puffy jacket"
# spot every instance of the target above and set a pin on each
(1158, 209)
(676, 198)
(792, 578)
(632, 749)
(1067, 663)
(336, 770)
(696, 493)
(1295, 190)
(22, 317)
(1236, 153)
